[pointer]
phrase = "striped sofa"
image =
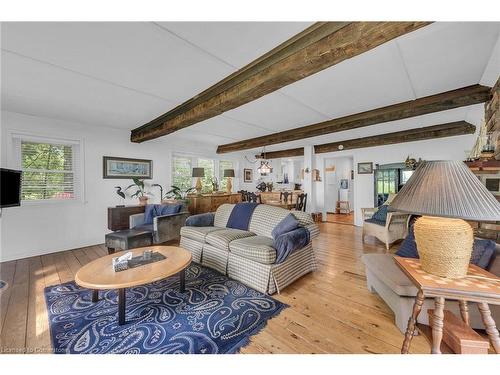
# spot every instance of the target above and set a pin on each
(249, 256)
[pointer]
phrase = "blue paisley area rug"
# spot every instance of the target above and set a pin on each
(216, 315)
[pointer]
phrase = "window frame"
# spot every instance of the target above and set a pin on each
(194, 163)
(78, 169)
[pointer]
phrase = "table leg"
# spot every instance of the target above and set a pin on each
(95, 295)
(182, 276)
(412, 322)
(464, 311)
(489, 323)
(437, 325)
(121, 306)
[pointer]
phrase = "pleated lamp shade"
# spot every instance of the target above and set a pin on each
(446, 189)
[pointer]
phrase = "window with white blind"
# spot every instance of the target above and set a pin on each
(51, 168)
(209, 166)
(181, 172)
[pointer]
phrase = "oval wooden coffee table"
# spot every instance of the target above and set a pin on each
(99, 274)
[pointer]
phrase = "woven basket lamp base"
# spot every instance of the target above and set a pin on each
(444, 245)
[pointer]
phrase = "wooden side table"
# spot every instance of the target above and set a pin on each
(478, 286)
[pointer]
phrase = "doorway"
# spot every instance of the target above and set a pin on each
(339, 190)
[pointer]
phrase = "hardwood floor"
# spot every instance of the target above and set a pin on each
(331, 310)
(340, 218)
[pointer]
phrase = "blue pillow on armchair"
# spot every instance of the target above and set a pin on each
(381, 214)
(408, 248)
(169, 209)
(153, 210)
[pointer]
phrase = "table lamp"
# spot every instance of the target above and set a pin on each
(198, 173)
(229, 173)
(446, 193)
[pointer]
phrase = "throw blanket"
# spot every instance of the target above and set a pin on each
(241, 215)
(287, 243)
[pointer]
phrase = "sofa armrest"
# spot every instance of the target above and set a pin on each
(201, 220)
(313, 230)
(135, 220)
(367, 213)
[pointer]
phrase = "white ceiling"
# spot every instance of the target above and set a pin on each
(123, 75)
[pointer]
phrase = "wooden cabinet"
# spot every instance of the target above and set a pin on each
(118, 217)
(199, 204)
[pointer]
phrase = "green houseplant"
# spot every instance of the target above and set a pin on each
(140, 193)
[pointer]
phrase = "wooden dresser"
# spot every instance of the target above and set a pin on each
(118, 217)
(199, 204)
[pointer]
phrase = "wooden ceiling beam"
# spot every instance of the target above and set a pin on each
(435, 103)
(419, 134)
(318, 47)
(282, 153)
(449, 129)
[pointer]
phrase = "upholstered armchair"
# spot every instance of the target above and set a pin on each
(164, 228)
(394, 228)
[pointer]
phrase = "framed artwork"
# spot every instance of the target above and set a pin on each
(115, 167)
(344, 184)
(365, 168)
(247, 175)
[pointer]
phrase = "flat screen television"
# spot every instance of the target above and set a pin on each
(10, 188)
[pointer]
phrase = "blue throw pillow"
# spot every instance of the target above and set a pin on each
(381, 214)
(169, 209)
(482, 252)
(149, 214)
(408, 248)
(286, 225)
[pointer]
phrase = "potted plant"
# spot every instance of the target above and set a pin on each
(140, 192)
(179, 194)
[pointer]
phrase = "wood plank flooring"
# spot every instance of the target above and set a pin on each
(331, 310)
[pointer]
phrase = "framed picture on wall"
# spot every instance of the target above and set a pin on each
(365, 168)
(247, 175)
(115, 167)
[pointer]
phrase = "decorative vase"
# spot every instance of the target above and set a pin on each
(444, 245)
(143, 201)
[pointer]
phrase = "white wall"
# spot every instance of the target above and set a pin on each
(343, 167)
(453, 148)
(34, 229)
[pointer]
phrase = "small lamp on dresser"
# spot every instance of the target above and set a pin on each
(198, 173)
(445, 193)
(229, 173)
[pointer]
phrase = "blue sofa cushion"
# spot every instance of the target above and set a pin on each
(288, 224)
(153, 210)
(201, 220)
(287, 243)
(381, 214)
(483, 251)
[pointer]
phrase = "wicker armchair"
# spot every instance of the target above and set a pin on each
(395, 228)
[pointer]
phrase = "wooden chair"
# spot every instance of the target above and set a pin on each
(284, 197)
(252, 197)
(395, 228)
(300, 204)
(244, 195)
